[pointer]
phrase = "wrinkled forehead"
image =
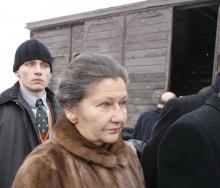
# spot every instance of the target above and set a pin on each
(107, 87)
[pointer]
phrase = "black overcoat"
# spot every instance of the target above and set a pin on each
(189, 153)
(17, 131)
(173, 110)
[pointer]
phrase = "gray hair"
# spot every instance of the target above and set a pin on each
(84, 70)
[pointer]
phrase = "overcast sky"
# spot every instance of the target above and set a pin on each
(15, 14)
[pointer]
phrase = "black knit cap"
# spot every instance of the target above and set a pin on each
(31, 49)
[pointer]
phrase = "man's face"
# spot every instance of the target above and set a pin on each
(34, 76)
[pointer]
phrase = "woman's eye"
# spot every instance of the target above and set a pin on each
(105, 105)
(123, 104)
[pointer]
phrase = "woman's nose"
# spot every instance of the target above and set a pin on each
(118, 115)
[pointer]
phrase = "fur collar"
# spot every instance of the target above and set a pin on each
(68, 136)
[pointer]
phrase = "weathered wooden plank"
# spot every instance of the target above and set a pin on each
(149, 29)
(146, 77)
(52, 32)
(104, 48)
(54, 84)
(58, 66)
(77, 43)
(78, 27)
(77, 49)
(114, 48)
(145, 61)
(59, 60)
(59, 51)
(146, 53)
(146, 85)
(77, 36)
(58, 45)
(111, 40)
(60, 38)
(138, 109)
(140, 93)
(146, 69)
(104, 27)
(216, 64)
(104, 34)
(218, 48)
(45, 40)
(115, 55)
(146, 37)
(145, 18)
(146, 45)
(94, 48)
(140, 101)
(77, 46)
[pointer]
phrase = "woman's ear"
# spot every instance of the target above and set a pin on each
(71, 116)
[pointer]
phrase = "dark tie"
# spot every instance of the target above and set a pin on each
(41, 118)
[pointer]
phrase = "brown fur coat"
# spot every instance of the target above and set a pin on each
(70, 161)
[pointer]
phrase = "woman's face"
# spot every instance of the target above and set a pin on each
(102, 113)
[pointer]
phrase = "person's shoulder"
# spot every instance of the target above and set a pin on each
(149, 112)
(43, 154)
(9, 94)
(183, 130)
(170, 106)
(188, 101)
(189, 121)
(38, 166)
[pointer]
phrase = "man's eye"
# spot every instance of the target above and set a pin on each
(44, 65)
(29, 64)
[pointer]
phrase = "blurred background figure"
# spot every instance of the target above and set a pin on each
(147, 119)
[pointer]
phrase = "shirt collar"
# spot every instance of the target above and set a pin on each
(31, 100)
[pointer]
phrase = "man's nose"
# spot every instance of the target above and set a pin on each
(38, 68)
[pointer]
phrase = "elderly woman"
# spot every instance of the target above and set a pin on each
(87, 148)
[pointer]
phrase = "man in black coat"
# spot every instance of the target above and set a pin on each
(19, 132)
(189, 153)
(173, 110)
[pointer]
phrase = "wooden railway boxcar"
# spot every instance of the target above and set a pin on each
(164, 44)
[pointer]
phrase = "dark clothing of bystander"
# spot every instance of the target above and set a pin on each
(173, 110)
(145, 124)
(189, 151)
(18, 132)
